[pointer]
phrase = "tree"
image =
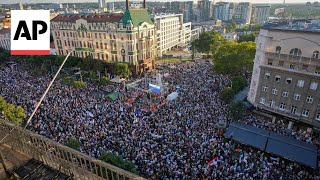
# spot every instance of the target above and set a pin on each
(247, 37)
(73, 143)
(118, 161)
(237, 110)
(121, 69)
(14, 113)
(3, 104)
(234, 58)
(238, 83)
(231, 26)
(79, 84)
(104, 80)
(208, 42)
(227, 94)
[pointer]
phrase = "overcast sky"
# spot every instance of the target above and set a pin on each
(80, 1)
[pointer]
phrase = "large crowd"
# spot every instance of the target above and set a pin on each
(164, 139)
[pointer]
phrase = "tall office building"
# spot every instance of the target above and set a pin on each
(224, 11)
(243, 13)
(171, 32)
(182, 7)
(260, 14)
(102, 4)
(117, 37)
(204, 10)
(286, 73)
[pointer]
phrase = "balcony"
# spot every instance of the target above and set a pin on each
(60, 158)
(292, 58)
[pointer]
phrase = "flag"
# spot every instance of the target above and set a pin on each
(214, 161)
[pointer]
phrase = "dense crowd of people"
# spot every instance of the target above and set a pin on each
(164, 139)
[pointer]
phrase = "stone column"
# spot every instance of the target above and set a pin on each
(273, 119)
(290, 125)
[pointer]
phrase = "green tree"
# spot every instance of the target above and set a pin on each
(227, 94)
(73, 143)
(14, 113)
(104, 80)
(209, 42)
(79, 84)
(238, 83)
(237, 110)
(3, 104)
(118, 161)
(121, 69)
(231, 26)
(234, 58)
(247, 37)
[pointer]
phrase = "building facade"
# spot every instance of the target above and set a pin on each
(286, 74)
(128, 37)
(204, 10)
(171, 32)
(224, 11)
(260, 14)
(243, 13)
(5, 38)
(182, 7)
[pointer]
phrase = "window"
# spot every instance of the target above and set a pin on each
(293, 110)
(317, 71)
(277, 78)
(288, 80)
(265, 88)
(318, 116)
(296, 97)
(285, 93)
(274, 91)
(300, 83)
(292, 66)
(281, 63)
(315, 54)
(270, 62)
(267, 75)
(305, 112)
(278, 49)
(272, 103)
(262, 100)
(309, 99)
(282, 106)
(295, 52)
(313, 85)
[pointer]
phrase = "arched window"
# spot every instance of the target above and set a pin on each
(278, 49)
(295, 52)
(315, 54)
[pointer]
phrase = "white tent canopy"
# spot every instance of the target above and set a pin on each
(116, 80)
(172, 96)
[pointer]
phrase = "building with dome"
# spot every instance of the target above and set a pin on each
(114, 37)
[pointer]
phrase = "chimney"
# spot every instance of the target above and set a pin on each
(144, 4)
(127, 4)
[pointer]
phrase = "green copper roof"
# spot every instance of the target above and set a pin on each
(137, 16)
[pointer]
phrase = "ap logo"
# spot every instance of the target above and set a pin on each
(30, 32)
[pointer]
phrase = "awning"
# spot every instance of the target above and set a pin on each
(114, 95)
(283, 146)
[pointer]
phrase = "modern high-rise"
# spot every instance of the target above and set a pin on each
(102, 4)
(243, 13)
(260, 14)
(171, 32)
(182, 7)
(117, 37)
(286, 74)
(224, 11)
(204, 10)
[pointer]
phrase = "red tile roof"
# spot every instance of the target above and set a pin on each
(5, 30)
(89, 17)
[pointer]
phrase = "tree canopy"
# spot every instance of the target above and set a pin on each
(247, 37)
(209, 42)
(73, 143)
(234, 58)
(118, 161)
(121, 69)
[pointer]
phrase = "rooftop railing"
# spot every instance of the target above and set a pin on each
(64, 159)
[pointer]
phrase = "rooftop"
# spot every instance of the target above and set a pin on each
(296, 25)
(115, 17)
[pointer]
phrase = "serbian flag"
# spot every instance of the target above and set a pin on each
(214, 161)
